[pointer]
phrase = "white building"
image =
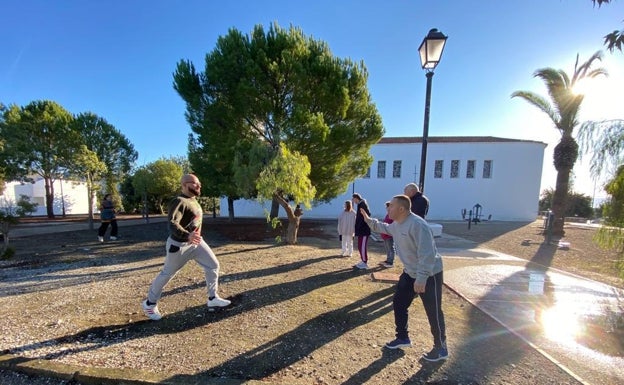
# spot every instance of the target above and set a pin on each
(72, 195)
(502, 175)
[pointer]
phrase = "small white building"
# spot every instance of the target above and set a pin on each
(69, 194)
(502, 175)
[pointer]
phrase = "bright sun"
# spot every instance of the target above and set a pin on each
(602, 95)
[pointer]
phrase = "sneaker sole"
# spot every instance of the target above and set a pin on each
(435, 359)
(398, 346)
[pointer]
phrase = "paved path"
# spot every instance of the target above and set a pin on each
(548, 308)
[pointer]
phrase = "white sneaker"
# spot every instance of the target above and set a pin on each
(151, 311)
(100, 239)
(113, 238)
(361, 265)
(218, 302)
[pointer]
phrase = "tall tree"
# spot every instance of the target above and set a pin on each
(87, 166)
(218, 136)
(563, 109)
(160, 180)
(280, 87)
(111, 147)
(38, 141)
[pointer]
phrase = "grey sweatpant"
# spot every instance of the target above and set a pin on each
(175, 260)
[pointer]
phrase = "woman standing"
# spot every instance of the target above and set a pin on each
(362, 231)
(107, 215)
(346, 229)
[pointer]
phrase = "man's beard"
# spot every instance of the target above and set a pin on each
(194, 191)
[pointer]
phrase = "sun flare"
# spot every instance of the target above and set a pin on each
(601, 94)
(560, 324)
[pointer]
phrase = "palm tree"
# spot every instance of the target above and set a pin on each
(563, 109)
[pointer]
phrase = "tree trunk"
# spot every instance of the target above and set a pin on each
(275, 207)
(49, 191)
(293, 220)
(231, 209)
(559, 201)
(4, 229)
(90, 195)
(293, 228)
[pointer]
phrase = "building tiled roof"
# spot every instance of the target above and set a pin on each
(451, 139)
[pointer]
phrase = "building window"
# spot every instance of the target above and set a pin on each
(367, 175)
(396, 169)
(455, 169)
(470, 169)
(439, 165)
(39, 201)
(487, 169)
(381, 169)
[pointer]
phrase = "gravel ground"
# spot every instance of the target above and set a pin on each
(300, 315)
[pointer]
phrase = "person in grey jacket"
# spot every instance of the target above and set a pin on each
(422, 274)
(185, 242)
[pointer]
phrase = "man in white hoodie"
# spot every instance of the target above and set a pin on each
(422, 274)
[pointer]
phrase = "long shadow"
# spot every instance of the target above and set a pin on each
(50, 274)
(100, 336)
(47, 279)
(49, 271)
(273, 356)
(425, 372)
(365, 374)
(19, 282)
(252, 274)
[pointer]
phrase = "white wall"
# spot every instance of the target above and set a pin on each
(511, 194)
(74, 194)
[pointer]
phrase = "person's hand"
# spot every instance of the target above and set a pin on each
(195, 238)
(419, 287)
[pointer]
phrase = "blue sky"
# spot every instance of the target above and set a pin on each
(116, 59)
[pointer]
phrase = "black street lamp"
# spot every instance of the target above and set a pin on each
(430, 51)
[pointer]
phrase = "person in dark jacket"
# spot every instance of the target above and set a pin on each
(185, 242)
(362, 231)
(420, 203)
(107, 216)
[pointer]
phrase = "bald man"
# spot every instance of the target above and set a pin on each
(422, 274)
(185, 243)
(420, 203)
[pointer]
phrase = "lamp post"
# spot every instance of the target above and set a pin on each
(430, 51)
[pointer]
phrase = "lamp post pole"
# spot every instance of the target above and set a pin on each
(425, 137)
(430, 52)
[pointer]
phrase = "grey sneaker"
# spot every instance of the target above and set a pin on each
(399, 343)
(387, 264)
(361, 266)
(151, 311)
(113, 238)
(436, 354)
(218, 302)
(100, 239)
